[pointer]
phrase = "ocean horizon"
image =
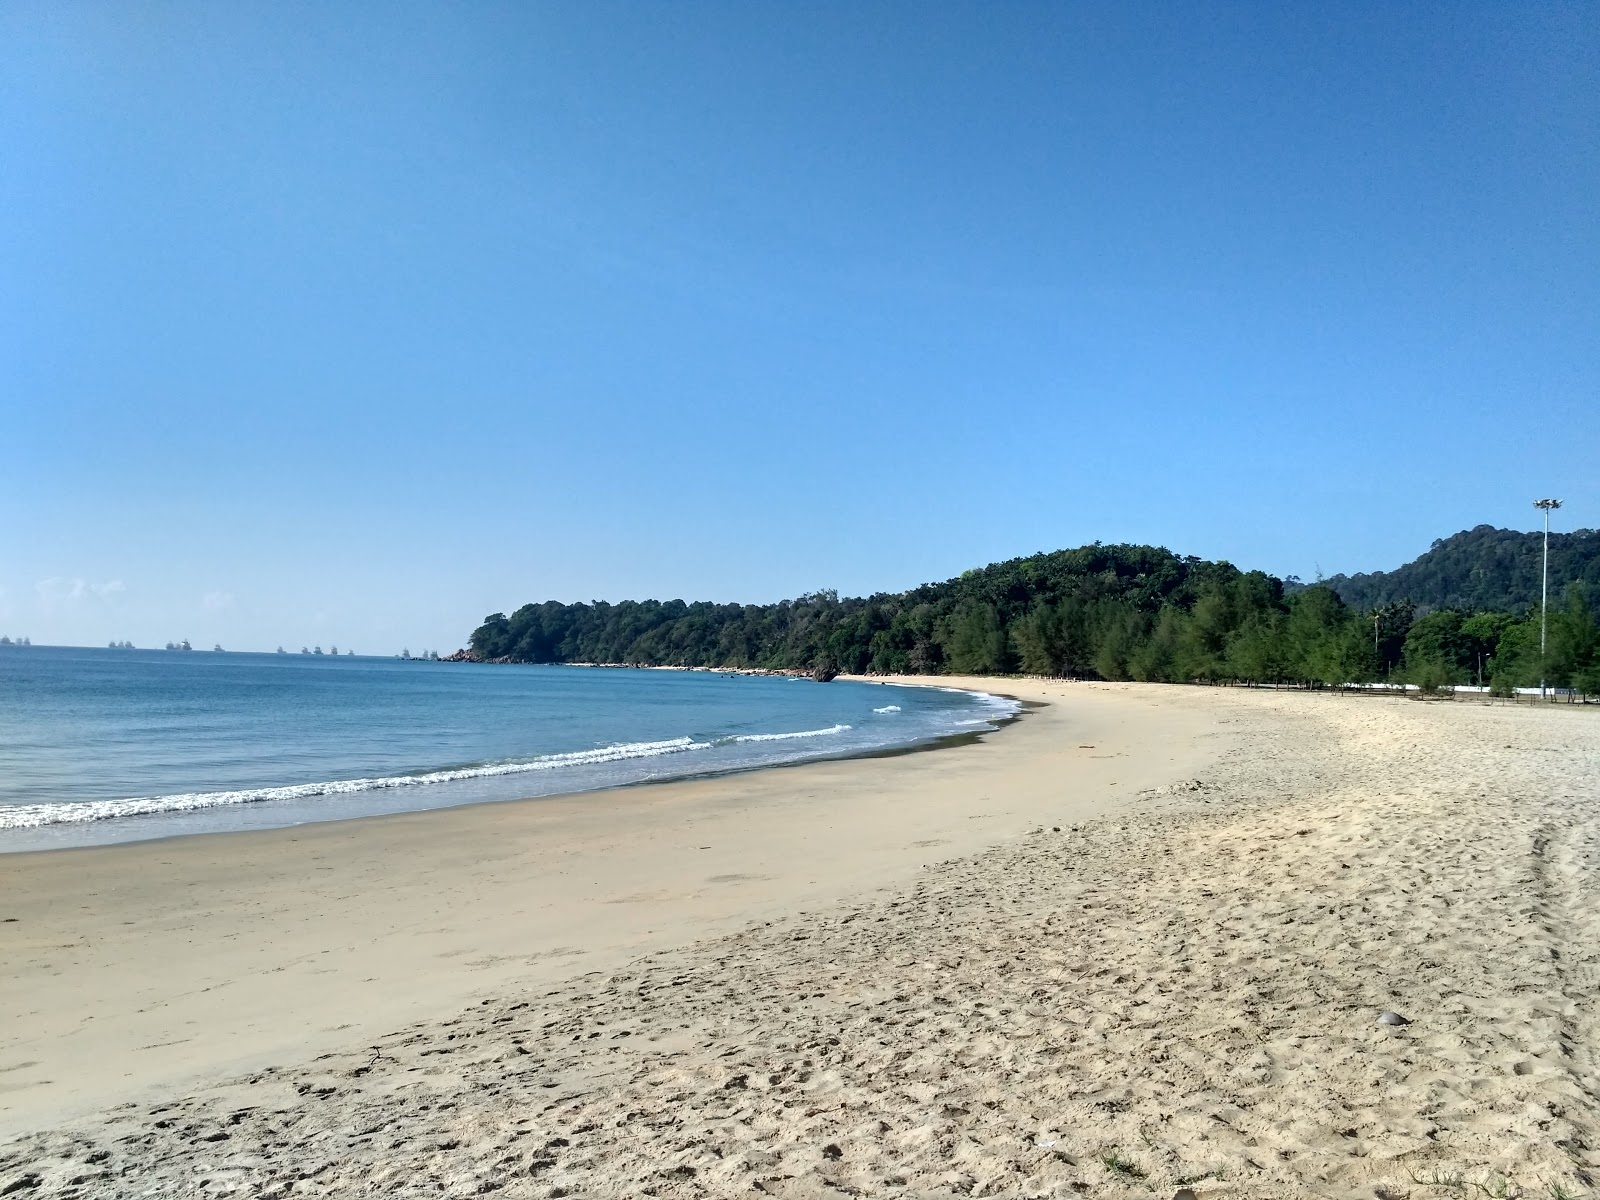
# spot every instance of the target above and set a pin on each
(102, 745)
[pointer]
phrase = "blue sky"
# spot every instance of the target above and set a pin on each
(346, 323)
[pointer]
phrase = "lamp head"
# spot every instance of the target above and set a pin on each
(1547, 505)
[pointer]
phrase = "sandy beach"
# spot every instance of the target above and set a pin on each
(1138, 941)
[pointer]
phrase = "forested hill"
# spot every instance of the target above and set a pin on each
(1479, 570)
(968, 623)
(1109, 612)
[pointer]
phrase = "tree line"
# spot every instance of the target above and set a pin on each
(1480, 570)
(1098, 612)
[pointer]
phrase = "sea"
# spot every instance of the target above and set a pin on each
(112, 745)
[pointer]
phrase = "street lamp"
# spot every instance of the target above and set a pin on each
(1544, 589)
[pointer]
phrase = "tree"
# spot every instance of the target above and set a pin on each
(1039, 641)
(1574, 642)
(1118, 632)
(1256, 651)
(974, 642)
(1437, 649)
(1483, 632)
(1203, 645)
(1160, 658)
(1572, 649)
(1325, 645)
(1391, 623)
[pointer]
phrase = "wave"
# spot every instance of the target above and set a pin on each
(1005, 704)
(34, 816)
(784, 737)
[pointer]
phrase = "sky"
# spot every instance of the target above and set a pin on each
(349, 324)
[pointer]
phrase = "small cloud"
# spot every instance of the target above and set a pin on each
(58, 591)
(217, 600)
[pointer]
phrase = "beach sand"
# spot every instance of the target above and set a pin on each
(1137, 941)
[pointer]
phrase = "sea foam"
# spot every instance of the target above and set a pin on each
(784, 737)
(34, 816)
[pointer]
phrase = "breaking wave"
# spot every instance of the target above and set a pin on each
(712, 750)
(34, 816)
(784, 737)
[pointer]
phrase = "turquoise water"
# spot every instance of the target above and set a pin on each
(116, 745)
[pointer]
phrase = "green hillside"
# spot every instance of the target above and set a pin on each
(1478, 570)
(1121, 612)
(975, 622)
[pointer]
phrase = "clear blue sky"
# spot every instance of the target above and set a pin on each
(351, 323)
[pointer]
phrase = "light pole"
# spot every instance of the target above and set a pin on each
(1544, 587)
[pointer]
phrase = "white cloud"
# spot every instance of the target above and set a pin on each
(59, 591)
(217, 600)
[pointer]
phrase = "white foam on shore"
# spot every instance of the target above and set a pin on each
(1005, 704)
(34, 816)
(784, 737)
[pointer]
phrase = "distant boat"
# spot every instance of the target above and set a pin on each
(318, 650)
(303, 650)
(217, 649)
(281, 650)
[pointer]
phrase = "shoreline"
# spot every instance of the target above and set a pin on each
(35, 841)
(1150, 940)
(273, 944)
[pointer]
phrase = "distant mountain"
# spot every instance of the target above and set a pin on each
(1482, 568)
